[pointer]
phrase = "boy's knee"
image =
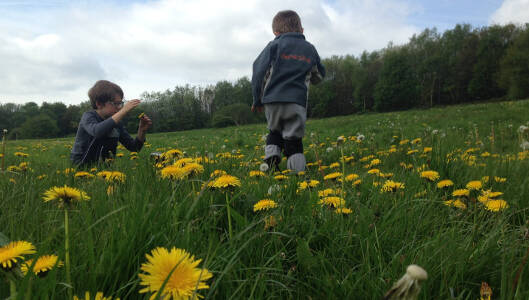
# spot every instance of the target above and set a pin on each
(274, 138)
(293, 147)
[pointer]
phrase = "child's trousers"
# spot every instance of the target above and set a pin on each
(286, 122)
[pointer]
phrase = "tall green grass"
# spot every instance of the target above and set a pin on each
(312, 251)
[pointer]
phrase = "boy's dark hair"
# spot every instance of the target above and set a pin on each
(104, 91)
(287, 21)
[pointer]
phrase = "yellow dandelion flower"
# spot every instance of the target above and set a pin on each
(430, 175)
(375, 162)
(334, 165)
(83, 174)
(257, 174)
(40, 177)
(141, 115)
(14, 169)
(373, 171)
(485, 179)
(43, 264)
(500, 179)
(427, 150)
(496, 205)
(332, 176)
(410, 152)
(174, 172)
(357, 182)
(224, 182)
(175, 267)
(112, 176)
(264, 205)
(65, 195)
(182, 162)
(119, 155)
(170, 154)
(193, 168)
(217, 173)
(456, 203)
(332, 201)
(416, 141)
(392, 186)
(343, 210)
(474, 185)
(461, 193)
(10, 253)
(351, 177)
(12, 180)
(328, 192)
(404, 142)
(280, 177)
(98, 296)
(385, 175)
(445, 183)
(21, 154)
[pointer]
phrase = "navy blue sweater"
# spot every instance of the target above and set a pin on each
(284, 69)
(98, 139)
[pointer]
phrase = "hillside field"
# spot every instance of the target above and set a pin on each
(445, 188)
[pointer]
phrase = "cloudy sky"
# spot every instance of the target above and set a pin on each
(55, 50)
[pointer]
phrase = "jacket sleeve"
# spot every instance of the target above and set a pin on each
(94, 127)
(318, 71)
(126, 140)
(260, 67)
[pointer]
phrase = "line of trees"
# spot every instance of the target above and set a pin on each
(461, 65)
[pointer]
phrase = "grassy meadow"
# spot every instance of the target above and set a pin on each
(387, 211)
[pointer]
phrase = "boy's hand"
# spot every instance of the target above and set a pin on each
(258, 109)
(145, 123)
(130, 105)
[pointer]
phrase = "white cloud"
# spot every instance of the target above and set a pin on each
(511, 11)
(59, 53)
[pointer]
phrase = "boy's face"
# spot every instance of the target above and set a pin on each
(109, 108)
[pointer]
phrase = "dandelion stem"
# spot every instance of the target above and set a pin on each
(12, 289)
(229, 215)
(67, 254)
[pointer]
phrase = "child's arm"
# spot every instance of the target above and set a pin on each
(318, 71)
(98, 129)
(135, 144)
(260, 67)
(130, 105)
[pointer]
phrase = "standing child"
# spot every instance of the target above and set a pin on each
(280, 82)
(100, 129)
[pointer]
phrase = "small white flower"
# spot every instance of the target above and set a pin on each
(340, 139)
(312, 134)
(211, 156)
(329, 149)
(263, 167)
(435, 131)
(522, 128)
(263, 137)
(360, 137)
(524, 145)
(233, 151)
(223, 147)
(274, 188)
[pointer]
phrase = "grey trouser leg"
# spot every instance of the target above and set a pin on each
(288, 119)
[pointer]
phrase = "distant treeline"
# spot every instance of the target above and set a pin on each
(461, 65)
